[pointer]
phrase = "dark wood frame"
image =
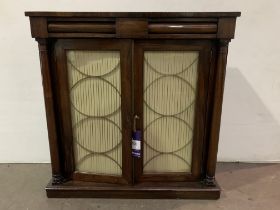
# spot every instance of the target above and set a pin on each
(123, 46)
(204, 48)
(214, 28)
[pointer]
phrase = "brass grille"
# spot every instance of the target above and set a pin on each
(94, 82)
(170, 79)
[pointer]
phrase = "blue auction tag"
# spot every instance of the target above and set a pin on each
(136, 144)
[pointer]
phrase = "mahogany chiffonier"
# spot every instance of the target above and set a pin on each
(133, 101)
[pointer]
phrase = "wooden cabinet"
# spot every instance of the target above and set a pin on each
(107, 75)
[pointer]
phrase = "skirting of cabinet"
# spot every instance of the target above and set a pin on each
(188, 190)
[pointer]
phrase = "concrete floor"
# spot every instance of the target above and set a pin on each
(245, 186)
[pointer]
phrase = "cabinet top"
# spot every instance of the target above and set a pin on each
(133, 14)
(134, 25)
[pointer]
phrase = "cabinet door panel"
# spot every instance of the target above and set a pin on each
(173, 77)
(170, 87)
(97, 109)
(95, 94)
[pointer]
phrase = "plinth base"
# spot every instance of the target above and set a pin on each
(183, 190)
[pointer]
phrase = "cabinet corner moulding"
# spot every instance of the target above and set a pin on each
(133, 101)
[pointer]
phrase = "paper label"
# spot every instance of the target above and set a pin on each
(136, 144)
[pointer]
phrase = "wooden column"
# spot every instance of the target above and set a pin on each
(216, 112)
(57, 177)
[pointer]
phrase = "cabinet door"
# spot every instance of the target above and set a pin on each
(94, 83)
(171, 79)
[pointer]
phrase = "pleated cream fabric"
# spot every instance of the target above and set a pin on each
(95, 92)
(170, 81)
